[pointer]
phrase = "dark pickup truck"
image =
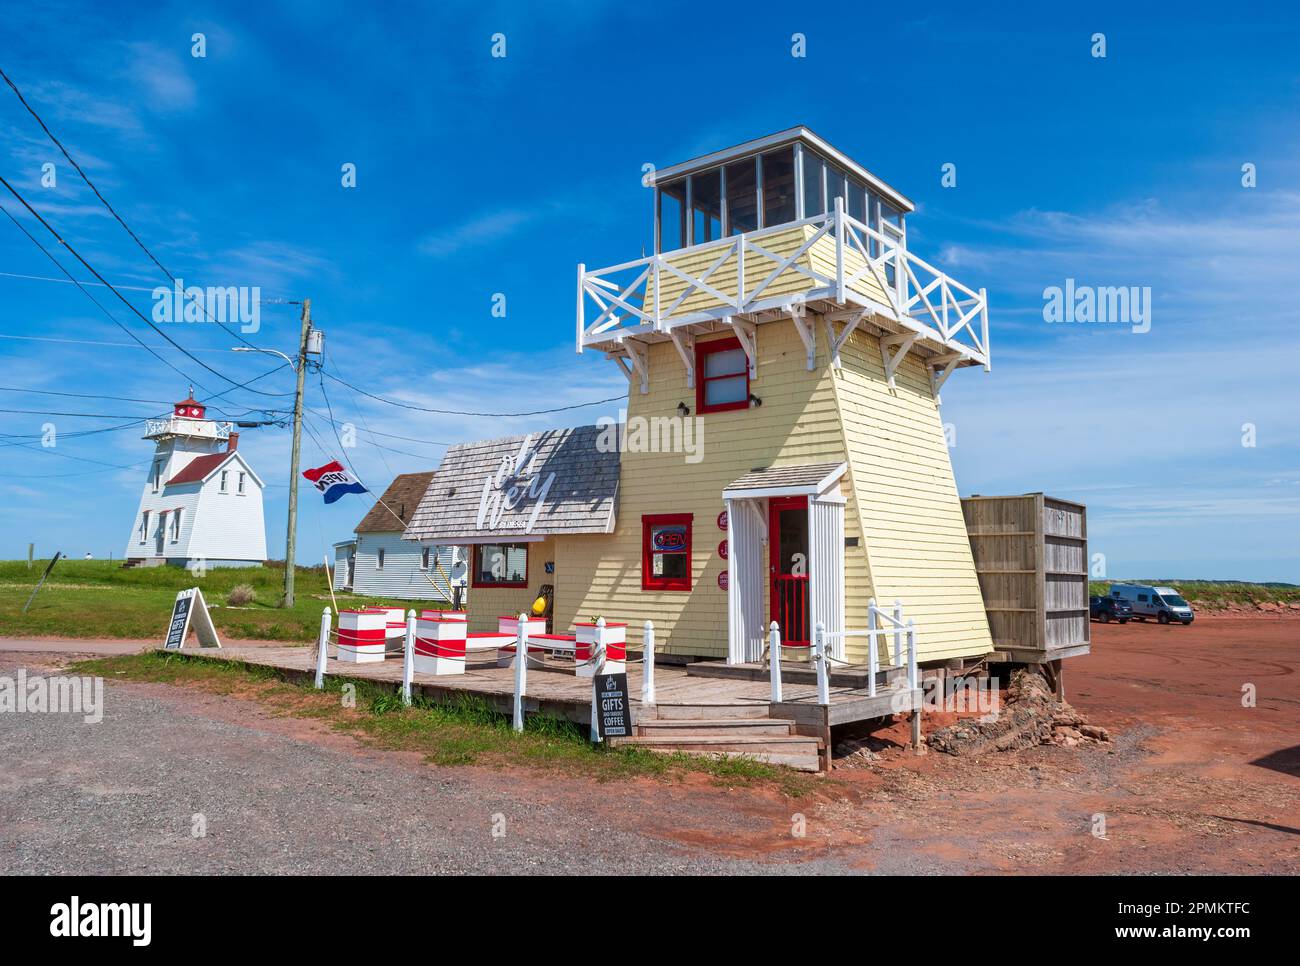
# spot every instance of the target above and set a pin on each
(1107, 609)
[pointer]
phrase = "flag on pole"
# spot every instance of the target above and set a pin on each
(334, 481)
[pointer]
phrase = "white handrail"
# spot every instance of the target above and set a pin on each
(774, 654)
(322, 648)
(873, 652)
(598, 656)
(896, 626)
(819, 655)
(911, 654)
(521, 671)
(408, 658)
(648, 671)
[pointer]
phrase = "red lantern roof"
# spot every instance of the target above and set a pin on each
(190, 407)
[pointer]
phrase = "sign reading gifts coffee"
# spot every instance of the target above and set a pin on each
(516, 482)
(613, 709)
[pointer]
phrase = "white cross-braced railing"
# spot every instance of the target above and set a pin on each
(879, 623)
(630, 298)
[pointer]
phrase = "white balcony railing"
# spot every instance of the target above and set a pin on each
(183, 426)
(741, 275)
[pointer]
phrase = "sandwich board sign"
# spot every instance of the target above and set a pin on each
(190, 610)
(614, 710)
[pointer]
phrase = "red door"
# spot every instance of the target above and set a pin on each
(787, 530)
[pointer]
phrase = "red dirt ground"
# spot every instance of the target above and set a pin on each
(1193, 781)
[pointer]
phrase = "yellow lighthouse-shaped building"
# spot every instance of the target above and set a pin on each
(785, 350)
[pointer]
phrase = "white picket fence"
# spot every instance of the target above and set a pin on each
(520, 664)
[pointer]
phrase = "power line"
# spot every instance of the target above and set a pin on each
(64, 281)
(113, 211)
(47, 412)
(106, 345)
(457, 412)
(99, 305)
(83, 395)
(138, 421)
(90, 268)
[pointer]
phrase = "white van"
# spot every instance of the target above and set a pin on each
(1162, 603)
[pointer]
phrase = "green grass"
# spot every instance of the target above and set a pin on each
(97, 598)
(465, 732)
(1215, 594)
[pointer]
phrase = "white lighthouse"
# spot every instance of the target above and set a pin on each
(202, 502)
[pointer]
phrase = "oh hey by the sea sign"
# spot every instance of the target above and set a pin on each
(516, 482)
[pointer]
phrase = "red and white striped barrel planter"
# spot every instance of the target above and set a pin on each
(509, 627)
(361, 636)
(396, 634)
(590, 637)
(440, 646)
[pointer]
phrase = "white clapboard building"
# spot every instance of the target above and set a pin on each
(379, 563)
(202, 502)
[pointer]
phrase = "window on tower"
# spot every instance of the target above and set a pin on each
(224, 475)
(144, 526)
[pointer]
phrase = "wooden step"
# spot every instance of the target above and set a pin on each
(793, 751)
(674, 711)
(783, 744)
(677, 727)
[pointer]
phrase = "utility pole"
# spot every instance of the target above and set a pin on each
(291, 535)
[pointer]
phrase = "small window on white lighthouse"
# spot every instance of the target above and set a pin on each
(224, 474)
(144, 526)
(424, 559)
(379, 559)
(241, 482)
(176, 525)
(157, 475)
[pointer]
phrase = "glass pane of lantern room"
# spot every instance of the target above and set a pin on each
(742, 196)
(778, 187)
(857, 203)
(672, 216)
(814, 198)
(706, 202)
(834, 186)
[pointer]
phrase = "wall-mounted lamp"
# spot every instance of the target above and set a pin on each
(684, 409)
(754, 400)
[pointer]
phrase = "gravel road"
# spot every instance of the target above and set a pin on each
(121, 796)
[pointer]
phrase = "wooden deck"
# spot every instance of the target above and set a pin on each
(555, 690)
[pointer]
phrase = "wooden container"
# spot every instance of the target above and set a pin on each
(1031, 556)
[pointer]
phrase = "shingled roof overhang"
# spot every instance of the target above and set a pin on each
(522, 488)
(806, 479)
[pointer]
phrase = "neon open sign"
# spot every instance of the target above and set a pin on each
(667, 539)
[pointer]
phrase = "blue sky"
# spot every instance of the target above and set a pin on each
(478, 175)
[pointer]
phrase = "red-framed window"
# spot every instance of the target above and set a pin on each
(500, 565)
(721, 376)
(666, 551)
